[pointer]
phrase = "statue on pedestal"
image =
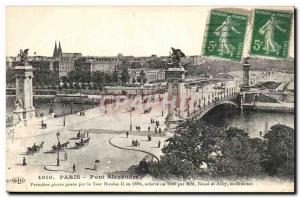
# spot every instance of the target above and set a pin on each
(175, 76)
(246, 60)
(175, 57)
(24, 108)
(22, 57)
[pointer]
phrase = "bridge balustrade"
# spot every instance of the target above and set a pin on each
(213, 103)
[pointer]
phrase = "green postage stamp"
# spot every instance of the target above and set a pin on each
(225, 35)
(271, 33)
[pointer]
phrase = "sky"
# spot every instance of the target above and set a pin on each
(107, 31)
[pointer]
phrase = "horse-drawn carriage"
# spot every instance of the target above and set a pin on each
(60, 147)
(35, 148)
(148, 110)
(130, 109)
(83, 142)
(81, 134)
(44, 126)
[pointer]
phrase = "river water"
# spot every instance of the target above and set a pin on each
(250, 121)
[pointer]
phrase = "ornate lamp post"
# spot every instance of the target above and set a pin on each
(130, 125)
(51, 107)
(64, 121)
(58, 147)
(72, 107)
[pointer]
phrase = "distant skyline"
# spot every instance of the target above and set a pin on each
(107, 31)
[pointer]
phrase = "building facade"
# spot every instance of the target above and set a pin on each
(151, 75)
(102, 64)
(64, 62)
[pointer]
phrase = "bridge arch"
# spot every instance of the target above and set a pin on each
(209, 108)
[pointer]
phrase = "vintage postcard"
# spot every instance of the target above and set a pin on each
(150, 99)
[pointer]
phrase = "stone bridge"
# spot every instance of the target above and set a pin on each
(230, 99)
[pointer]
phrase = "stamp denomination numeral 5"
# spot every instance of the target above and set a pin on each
(257, 45)
(211, 46)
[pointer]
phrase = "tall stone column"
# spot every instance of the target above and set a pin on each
(24, 108)
(246, 75)
(175, 82)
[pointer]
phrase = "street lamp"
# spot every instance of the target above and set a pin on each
(130, 125)
(51, 107)
(64, 121)
(72, 107)
(58, 147)
(162, 107)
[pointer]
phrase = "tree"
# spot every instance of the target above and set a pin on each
(64, 79)
(125, 75)
(157, 63)
(241, 156)
(139, 79)
(108, 77)
(115, 77)
(65, 85)
(44, 77)
(193, 141)
(10, 76)
(77, 86)
(172, 167)
(143, 77)
(280, 151)
(71, 85)
(191, 145)
(98, 77)
(135, 65)
(144, 80)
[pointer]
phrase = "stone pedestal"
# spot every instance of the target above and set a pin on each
(246, 77)
(24, 108)
(175, 81)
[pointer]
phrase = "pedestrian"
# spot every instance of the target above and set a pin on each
(65, 156)
(149, 138)
(96, 165)
(159, 131)
(24, 161)
(158, 144)
(260, 133)
(133, 143)
(149, 129)
(127, 133)
(155, 130)
(74, 168)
